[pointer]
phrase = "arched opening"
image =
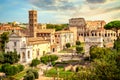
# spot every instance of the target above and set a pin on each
(99, 34)
(105, 35)
(23, 57)
(77, 69)
(92, 34)
(53, 49)
(95, 34)
(111, 34)
(28, 54)
(108, 34)
(38, 52)
(87, 34)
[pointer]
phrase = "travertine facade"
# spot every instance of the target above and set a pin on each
(95, 25)
(32, 23)
(92, 28)
(63, 37)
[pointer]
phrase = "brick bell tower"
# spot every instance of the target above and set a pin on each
(32, 23)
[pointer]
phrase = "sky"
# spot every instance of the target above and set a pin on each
(59, 11)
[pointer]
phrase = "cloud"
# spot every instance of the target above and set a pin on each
(62, 10)
(111, 9)
(54, 4)
(96, 1)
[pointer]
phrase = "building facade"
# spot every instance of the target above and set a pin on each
(27, 48)
(93, 29)
(28, 42)
(63, 37)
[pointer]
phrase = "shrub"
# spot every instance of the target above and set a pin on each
(29, 76)
(1, 57)
(11, 57)
(21, 67)
(4, 67)
(10, 70)
(53, 63)
(14, 70)
(68, 45)
(79, 49)
(35, 73)
(48, 58)
(78, 43)
(35, 62)
(44, 59)
(53, 57)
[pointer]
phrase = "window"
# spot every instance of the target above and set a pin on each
(14, 49)
(28, 54)
(38, 52)
(99, 34)
(23, 55)
(15, 43)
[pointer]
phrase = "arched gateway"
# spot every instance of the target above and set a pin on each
(90, 41)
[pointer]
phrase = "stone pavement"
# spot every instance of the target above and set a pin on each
(45, 78)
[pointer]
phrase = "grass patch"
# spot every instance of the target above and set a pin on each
(72, 47)
(61, 73)
(20, 75)
(62, 51)
(70, 50)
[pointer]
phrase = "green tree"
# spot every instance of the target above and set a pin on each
(78, 43)
(57, 27)
(106, 70)
(35, 62)
(1, 57)
(98, 52)
(68, 45)
(117, 44)
(11, 57)
(4, 67)
(29, 76)
(21, 67)
(113, 25)
(79, 49)
(35, 72)
(4, 39)
(48, 58)
(104, 66)
(9, 69)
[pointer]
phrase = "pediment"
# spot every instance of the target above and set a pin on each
(14, 35)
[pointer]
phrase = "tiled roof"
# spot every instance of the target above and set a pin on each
(37, 40)
(9, 27)
(46, 31)
(64, 31)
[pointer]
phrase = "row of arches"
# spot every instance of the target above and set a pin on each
(99, 34)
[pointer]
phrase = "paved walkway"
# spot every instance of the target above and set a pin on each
(42, 68)
(44, 78)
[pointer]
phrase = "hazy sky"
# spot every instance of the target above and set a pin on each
(59, 11)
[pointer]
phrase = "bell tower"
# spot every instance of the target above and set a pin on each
(32, 23)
